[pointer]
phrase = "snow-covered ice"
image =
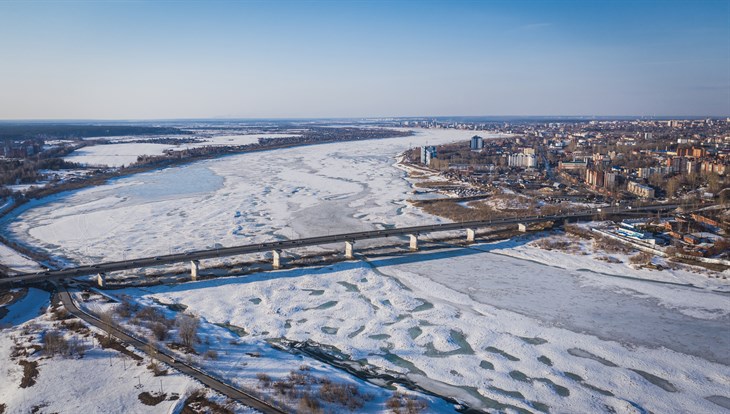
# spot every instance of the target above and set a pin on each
(115, 155)
(496, 325)
(247, 198)
(16, 261)
(122, 153)
(483, 328)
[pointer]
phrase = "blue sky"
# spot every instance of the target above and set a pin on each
(268, 59)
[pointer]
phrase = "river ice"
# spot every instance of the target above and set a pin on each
(504, 325)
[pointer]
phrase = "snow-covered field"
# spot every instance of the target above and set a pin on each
(115, 155)
(123, 153)
(95, 380)
(240, 199)
(490, 330)
(239, 358)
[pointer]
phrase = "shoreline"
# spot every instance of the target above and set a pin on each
(124, 172)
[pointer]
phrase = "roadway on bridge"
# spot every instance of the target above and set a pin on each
(312, 241)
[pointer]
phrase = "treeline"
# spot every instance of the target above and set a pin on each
(323, 134)
(26, 171)
(309, 137)
(22, 131)
(165, 141)
(146, 163)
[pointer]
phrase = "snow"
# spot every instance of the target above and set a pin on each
(240, 358)
(239, 199)
(101, 381)
(498, 325)
(30, 305)
(123, 153)
(233, 140)
(370, 312)
(16, 261)
(115, 155)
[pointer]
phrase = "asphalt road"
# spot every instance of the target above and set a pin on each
(311, 241)
(142, 346)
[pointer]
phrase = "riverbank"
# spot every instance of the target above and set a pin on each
(175, 158)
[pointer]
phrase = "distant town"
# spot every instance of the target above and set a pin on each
(547, 167)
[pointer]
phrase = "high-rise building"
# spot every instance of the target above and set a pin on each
(522, 161)
(427, 153)
(476, 143)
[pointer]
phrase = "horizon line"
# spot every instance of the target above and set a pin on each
(370, 118)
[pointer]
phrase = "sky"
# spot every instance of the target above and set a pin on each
(352, 59)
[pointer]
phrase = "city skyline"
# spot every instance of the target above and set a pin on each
(174, 60)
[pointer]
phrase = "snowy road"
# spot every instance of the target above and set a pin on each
(141, 346)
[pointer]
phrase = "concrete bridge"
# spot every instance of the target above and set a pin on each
(349, 239)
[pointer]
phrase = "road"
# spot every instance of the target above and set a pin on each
(143, 346)
(312, 241)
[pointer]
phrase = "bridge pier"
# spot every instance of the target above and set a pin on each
(276, 255)
(413, 245)
(470, 235)
(522, 227)
(101, 279)
(349, 250)
(194, 269)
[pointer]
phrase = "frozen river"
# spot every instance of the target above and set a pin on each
(581, 300)
(247, 198)
(473, 323)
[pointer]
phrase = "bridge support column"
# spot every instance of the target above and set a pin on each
(101, 279)
(522, 227)
(470, 233)
(349, 250)
(276, 254)
(194, 269)
(413, 245)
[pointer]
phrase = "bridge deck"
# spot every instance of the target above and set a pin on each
(311, 241)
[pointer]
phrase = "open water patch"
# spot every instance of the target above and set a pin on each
(723, 402)
(329, 330)
(658, 381)
(356, 332)
(581, 353)
(349, 286)
(502, 353)
(414, 332)
(424, 306)
(326, 305)
(545, 360)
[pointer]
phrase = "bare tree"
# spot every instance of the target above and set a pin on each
(107, 319)
(714, 183)
(187, 329)
(673, 186)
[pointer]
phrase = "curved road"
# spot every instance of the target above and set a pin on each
(142, 346)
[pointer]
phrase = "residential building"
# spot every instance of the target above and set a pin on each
(640, 190)
(522, 161)
(572, 165)
(427, 153)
